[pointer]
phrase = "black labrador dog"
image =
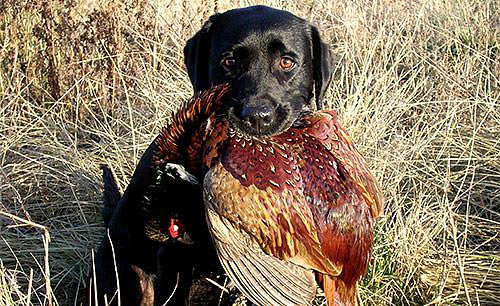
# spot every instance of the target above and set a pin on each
(277, 66)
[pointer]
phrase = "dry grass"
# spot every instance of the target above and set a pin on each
(417, 84)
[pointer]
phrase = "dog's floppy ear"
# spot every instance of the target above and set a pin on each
(322, 66)
(196, 57)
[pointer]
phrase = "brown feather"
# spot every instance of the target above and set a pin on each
(181, 141)
(337, 293)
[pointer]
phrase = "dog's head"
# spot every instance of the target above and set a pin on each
(272, 59)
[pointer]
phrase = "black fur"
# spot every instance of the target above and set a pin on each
(111, 194)
(267, 99)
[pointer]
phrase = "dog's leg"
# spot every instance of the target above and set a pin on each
(174, 274)
(108, 266)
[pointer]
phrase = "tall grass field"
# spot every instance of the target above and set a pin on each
(416, 84)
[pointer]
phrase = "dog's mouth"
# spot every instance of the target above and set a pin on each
(265, 124)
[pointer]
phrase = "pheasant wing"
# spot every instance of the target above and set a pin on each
(266, 238)
(264, 279)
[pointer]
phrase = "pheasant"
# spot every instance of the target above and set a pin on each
(284, 211)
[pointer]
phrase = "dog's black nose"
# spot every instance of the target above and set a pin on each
(258, 117)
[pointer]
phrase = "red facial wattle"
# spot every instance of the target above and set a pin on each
(176, 229)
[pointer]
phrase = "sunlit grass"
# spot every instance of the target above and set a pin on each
(416, 84)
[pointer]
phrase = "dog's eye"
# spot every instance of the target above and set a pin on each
(228, 62)
(287, 63)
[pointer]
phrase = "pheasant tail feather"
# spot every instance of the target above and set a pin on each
(176, 138)
(337, 293)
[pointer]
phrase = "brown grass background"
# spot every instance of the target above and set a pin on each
(417, 84)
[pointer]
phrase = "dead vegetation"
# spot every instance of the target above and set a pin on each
(417, 84)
